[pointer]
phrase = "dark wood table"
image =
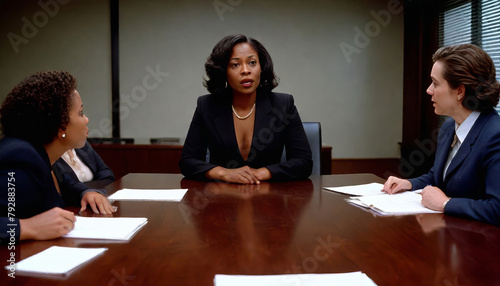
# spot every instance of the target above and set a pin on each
(277, 228)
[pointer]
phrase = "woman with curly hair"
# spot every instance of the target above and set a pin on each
(242, 123)
(41, 118)
(464, 179)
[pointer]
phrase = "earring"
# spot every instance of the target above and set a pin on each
(459, 98)
(64, 135)
(226, 84)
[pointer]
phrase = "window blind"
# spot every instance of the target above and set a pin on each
(472, 21)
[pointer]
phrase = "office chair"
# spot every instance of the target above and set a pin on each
(313, 133)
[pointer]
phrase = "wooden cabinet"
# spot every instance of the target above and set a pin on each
(161, 158)
(136, 158)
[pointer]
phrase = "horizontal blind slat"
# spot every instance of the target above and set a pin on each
(456, 23)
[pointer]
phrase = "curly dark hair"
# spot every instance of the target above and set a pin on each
(216, 65)
(470, 66)
(38, 107)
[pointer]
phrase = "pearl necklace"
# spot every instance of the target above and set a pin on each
(243, 117)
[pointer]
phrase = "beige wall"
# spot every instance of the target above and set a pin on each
(59, 35)
(355, 93)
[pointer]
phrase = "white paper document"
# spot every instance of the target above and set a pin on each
(347, 279)
(359, 190)
(397, 204)
(175, 195)
(113, 228)
(57, 260)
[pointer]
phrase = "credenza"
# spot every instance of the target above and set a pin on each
(161, 158)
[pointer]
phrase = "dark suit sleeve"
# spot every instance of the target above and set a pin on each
(71, 188)
(298, 164)
(423, 181)
(488, 208)
(32, 187)
(193, 163)
(430, 178)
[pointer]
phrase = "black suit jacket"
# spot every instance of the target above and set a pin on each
(277, 125)
(32, 190)
(71, 188)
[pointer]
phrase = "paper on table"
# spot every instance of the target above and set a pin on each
(348, 279)
(359, 190)
(113, 228)
(401, 204)
(148, 195)
(57, 260)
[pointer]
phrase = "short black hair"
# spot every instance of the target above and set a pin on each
(38, 107)
(216, 65)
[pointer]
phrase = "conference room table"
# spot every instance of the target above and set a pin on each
(275, 228)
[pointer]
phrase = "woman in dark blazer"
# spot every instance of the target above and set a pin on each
(72, 188)
(242, 123)
(41, 118)
(464, 180)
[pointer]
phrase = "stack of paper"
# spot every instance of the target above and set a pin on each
(347, 279)
(397, 204)
(114, 228)
(359, 190)
(148, 195)
(57, 260)
(372, 197)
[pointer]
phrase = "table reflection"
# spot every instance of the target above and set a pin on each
(248, 225)
(469, 246)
